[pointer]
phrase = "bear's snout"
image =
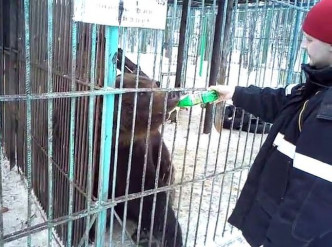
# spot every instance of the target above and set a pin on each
(172, 100)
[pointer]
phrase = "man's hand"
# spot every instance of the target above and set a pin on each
(224, 92)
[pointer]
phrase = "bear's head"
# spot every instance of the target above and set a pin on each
(162, 104)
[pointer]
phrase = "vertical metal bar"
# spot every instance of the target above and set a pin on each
(199, 131)
(50, 113)
(64, 64)
(161, 60)
(244, 32)
(90, 128)
(72, 133)
(139, 36)
(123, 41)
(236, 157)
(263, 42)
(111, 48)
(260, 43)
(214, 6)
(169, 182)
(155, 42)
(214, 176)
(201, 30)
(279, 48)
(223, 178)
(193, 177)
(1, 199)
(209, 142)
(232, 175)
(2, 73)
(294, 46)
(158, 166)
(269, 50)
(144, 167)
(171, 44)
(251, 33)
(285, 42)
(203, 185)
(176, 124)
(275, 17)
(28, 108)
(304, 56)
(186, 47)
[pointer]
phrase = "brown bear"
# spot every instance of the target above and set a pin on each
(173, 234)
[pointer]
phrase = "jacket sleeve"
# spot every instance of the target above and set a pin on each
(265, 103)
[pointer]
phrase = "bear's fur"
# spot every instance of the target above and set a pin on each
(138, 158)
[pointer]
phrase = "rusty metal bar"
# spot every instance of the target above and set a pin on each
(28, 108)
(147, 139)
(131, 142)
(49, 115)
(72, 133)
(90, 128)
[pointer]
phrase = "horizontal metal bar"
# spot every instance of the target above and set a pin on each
(103, 91)
(83, 213)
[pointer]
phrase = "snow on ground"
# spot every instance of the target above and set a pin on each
(15, 198)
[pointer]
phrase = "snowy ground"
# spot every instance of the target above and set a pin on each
(15, 198)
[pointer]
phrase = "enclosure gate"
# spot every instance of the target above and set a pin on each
(52, 77)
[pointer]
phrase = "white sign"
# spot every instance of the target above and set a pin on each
(126, 13)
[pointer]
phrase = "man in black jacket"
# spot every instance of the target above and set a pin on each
(287, 198)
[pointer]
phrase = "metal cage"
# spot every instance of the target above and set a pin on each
(57, 98)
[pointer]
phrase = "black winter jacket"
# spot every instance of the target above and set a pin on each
(287, 198)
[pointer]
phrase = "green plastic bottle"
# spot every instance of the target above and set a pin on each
(196, 98)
